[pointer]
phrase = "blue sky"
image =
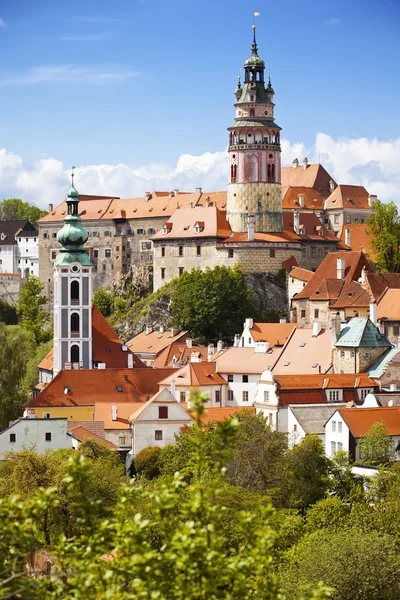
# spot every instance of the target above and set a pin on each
(142, 82)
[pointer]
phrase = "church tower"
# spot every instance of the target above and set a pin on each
(254, 153)
(72, 293)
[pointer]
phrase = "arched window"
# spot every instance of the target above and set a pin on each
(273, 173)
(74, 323)
(75, 292)
(269, 173)
(74, 353)
(252, 113)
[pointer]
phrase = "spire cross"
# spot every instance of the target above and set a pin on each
(72, 175)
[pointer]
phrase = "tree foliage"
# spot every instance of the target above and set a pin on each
(146, 462)
(8, 313)
(32, 314)
(14, 209)
(212, 303)
(103, 300)
(384, 224)
(377, 448)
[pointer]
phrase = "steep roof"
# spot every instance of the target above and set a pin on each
(360, 420)
(354, 262)
(91, 208)
(378, 282)
(388, 307)
(194, 375)
(155, 341)
(313, 228)
(85, 387)
(360, 240)
(305, 353)
(9, 229)
(361, 333)
(352, 294)
(103, 412)
(324, 381)
(247, 360)
(301, 274)
(313, 200)
(329, 289)
(196, 223)
(348, 196)
(313, 418)
(81, 433)
(314, 176)
(377, 370)
(274, 333)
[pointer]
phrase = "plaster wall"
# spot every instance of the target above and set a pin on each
(30, 432)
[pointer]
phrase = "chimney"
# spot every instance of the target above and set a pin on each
(207, 201)
(130, 361)
(220, 345)
(296, 222)
(316, 328)
(250, 227)
(305, 163)
(51, 208)
(393, 387)
(340, 267)
(236, 341)
(172, 388)
(123, 214)
(331, 186)
(301, 200)
(295, 163)
(211, 351)
(189, 343)
(371, 199)
(198, 190)
(113, 412)
(161, 329)
(191, 204)
(335, 326)
(249, 323)
(372, 313)
(149, 329)
(347, 239)
(282, 320)
(147, 195)
(176, 192)
(171, 194)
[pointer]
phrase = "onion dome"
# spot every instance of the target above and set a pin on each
(254, 60)
(269, 89)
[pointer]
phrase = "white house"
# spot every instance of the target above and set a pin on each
(157, 421)
(296, 280)
(43, 434)
(197, 375)
(19, 248)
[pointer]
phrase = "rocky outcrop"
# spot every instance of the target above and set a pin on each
(271, 294)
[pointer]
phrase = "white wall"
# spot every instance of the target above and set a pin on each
(336, 435)
(148, 422)
(27, 254)
(32, 431)
(209, 390)
(295, 431)
(8, 262)
(238, 387)
(294, 286)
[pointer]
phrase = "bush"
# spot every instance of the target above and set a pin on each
(146, 462)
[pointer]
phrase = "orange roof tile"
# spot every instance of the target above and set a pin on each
(378, 282)
(324, 381)
(313, 200)
(360, 420)
(96, 427)
(46, 364)
(352, 294)
(289, 263)
(354, 262)
(85, 387)
(302, 274)
(155, 341)
(103, 412)
(314, 176)
(348, 196)
(329, 289)
(182, 354)
(246, 360)
(274, 333)
(195, 375)
(305, 354)
(388, 307)
(91, 208)
(81, 433)
(183, 223)
(359, 238)
(312, 227)
(286, 397)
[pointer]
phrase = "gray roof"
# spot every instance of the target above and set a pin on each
(378, 368)
(8, 230)
(255, 123)
(385, 398)
(362, 333)
(312, 418)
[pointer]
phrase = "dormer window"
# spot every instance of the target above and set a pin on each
(199, 226)
(167, 227)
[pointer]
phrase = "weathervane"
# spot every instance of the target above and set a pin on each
(72, 175)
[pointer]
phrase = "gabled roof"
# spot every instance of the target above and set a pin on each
(361, 333)
(305, 353)
(377, 370)
(181, 352)
(183, 224)
(95, 426)
(329, 289)
(85, 387)
(324, 381)
(348, 196)
(195, 375)
(378, 282)
(388, 307)
(301, 274)
(352, 294)
(312, 227)
(274, 333)
(81, 433)
(155, 341)
(9, 229)
(314, 176)
(162, 397)
(354, 262)
(246, 360)
(313, 418)
(313, 200)
(360, 240)
(360, 420)
(91, 208)
(103, 412)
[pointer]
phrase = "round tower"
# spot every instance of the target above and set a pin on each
(254, 153)
(72, 293)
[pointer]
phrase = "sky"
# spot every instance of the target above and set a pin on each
(137, 94)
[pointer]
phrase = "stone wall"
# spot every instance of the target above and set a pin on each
(10, 286)
(355, 360)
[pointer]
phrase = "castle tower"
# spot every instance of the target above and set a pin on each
(72, 293)
(254, 153)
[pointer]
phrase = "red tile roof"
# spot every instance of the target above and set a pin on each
(90, 208)
(274, 333)
(313, 228)
(87, 386)
(302, 274)
(313, 200)
(360, 420)
(182, 354)
(95, 426)
(360, 240)
(182, 224)
(314, 176)
(156, 341)
(378, 282)
(81, 433)
(324, 381)
(352, 294)
(195, 375)
(348, 196)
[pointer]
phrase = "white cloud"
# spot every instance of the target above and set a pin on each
(2, 22)
(372, 163)
(70, 74)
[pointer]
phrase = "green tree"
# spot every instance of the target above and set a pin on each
(357, 564)
(32, 315)
(14, 209)
(31, 377)
(377, 448)
(343, 482)
(305, 474)
(384, 224)
(146, 462)
(16, 348)
(103, 300)
(212, 302)
(8, 313)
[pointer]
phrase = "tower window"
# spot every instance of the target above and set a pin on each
(251, 98)
(252, 113)
(75, 353)
(74, 292)
(74, 323)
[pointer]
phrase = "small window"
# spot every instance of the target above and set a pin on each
(286, 364)
(96, 254)
(107, 233)
(334, 426)
(230, 253)
(47, 436)
(316, 313)
(119, 388)
(339, 446)
(245, 396)
(245, 379)
(45, 236)
(13, 438)
(54, 235)
(303, 314)
(217, 396)
(352, 352)
(339, 426)
(198, 250)
(122, 440)
(107, 253)
(162, 250)
(295, 427)
(46, 415)
(266, 396)
(151, 230)
(163, 412)
(336, 219)
(158, 435)
(181, 269)
(313, 252)
(162, 272)
(348, 219)
(53, 254)
(342, 354)
(272, 253)
(180, 250)
(140, 230)
(334, 396)
(230, 378)
(230, 395)
(368, 355)
(182, 396)
(395, 330)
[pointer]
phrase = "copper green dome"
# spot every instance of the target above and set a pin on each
(254, 61)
